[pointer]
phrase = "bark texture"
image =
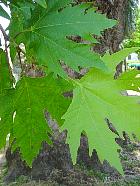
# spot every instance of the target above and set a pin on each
(112, 38)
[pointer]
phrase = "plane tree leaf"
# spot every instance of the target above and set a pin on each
(29, 123)
(46, 37)
(98, 96)
(33, 96)
(28, 102)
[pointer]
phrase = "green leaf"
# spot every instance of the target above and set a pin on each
(74, 20)
(48, 43)
(30, 127)
(112, 60)
(29, 101)
(98, 96)
(16, 24)
(6, 107)
(6, 115)
(42, 3)
(21, 12)
(3, 13)
(5, 81)
(56, 103)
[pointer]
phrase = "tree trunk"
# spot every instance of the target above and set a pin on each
(58, 157)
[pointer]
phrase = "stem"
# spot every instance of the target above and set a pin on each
(6, 39)
(19, 33)
(20, 60)
(19, 50)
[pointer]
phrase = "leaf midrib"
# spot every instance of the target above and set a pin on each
(67, 23)
(58, 45)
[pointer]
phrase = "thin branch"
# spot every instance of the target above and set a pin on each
(19, 33)
(6, 39)
(19, 56)
(21, 50)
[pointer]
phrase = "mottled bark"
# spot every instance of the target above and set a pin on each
(112, 38)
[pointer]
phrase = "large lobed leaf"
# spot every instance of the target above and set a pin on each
(98, 96)
(28, 102)
(46, 36)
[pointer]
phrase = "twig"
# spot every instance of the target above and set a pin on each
(20, 50)
(19, 33)
(19, 56)
(6, 39)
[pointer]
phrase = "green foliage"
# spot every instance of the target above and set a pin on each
(5, 99)
(96, 97)
(29, 100)
(45, 38)
(5, 81)
(92, 103)
(43, 27)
